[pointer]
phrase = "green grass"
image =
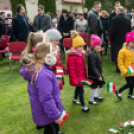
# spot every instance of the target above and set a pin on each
(15, 113)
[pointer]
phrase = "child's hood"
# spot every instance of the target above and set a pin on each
(25, 74)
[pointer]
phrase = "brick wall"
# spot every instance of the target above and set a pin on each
(5, 4)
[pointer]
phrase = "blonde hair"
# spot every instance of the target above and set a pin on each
(33, 40)
(41, 51)
(104, 12)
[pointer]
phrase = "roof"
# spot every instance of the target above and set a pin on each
(73, 1)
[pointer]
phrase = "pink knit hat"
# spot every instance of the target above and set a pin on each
(129, 37)
(95, 40)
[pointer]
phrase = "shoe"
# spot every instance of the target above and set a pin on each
(60, 132)
(118, 94)
(39, 127)
(99, 98)
(131, 97)
(76, 102)
(85, 109)
(93, 103)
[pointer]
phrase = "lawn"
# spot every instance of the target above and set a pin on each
(15, 113)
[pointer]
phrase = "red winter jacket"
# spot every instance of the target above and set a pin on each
(59, 63)
(76, 68)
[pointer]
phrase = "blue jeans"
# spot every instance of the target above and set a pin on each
(79, 91)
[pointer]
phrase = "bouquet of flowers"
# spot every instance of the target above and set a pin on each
(127, 127)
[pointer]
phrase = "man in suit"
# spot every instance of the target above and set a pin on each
(128, 14)
(94, 22)
(20, 25)
(120, 25)
(112, 15)
(42, 21)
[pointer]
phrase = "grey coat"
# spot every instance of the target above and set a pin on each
(45, 23)
(81, 25)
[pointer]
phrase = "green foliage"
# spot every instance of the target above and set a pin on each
(89, 4)
(130, 5)
(49, 5)
(14, 4)
(41, 2)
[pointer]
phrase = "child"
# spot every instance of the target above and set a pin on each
(77, 68)
(95, 70)
(54, 37)
(125, 58)
(33, 40)
(43, 89)
(54, 24)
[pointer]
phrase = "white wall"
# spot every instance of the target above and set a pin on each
(32, 8)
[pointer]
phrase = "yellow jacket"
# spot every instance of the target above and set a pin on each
(125, 58)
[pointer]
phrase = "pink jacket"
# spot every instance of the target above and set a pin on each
(59, 63)
(76, 68)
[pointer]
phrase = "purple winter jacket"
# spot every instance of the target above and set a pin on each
(44, 94)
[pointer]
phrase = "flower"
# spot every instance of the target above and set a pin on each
(126, 124)
(132, 123)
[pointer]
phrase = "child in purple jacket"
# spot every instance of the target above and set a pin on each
(43, 89)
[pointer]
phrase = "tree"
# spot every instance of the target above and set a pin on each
(41, 2)
(49, 5)
(89, 4)
(130, 5)
(14, 4)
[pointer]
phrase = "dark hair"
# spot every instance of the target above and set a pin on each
(96, 3)
(2, 13)
(41, 7)
(65, 11)
(117, 2)
(18, 8)
(80, 14)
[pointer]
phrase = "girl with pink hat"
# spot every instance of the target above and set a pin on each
(126, 65)
(95, 70)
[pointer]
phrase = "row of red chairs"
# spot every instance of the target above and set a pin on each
(13, 47)
(67, 42)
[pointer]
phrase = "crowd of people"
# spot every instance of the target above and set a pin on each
(44, 36)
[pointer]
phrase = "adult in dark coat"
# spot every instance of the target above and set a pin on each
(112, 15)
(42, 21)
(104, 21)
(94, 22)
(66, 24)
(85, 11)
(20, 25)
(128, 14)
(119, 27)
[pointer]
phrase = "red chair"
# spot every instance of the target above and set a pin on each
(3, 44)
(6, 37)
(15, 47)
(84, 36)
(67, 43)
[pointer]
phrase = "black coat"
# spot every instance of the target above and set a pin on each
(20, 29)
(65, 26)
(95, 68)
(85, 15)
(94, 64)
(111, 16)
(94, 23)
(104, 24)
(119, 27)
